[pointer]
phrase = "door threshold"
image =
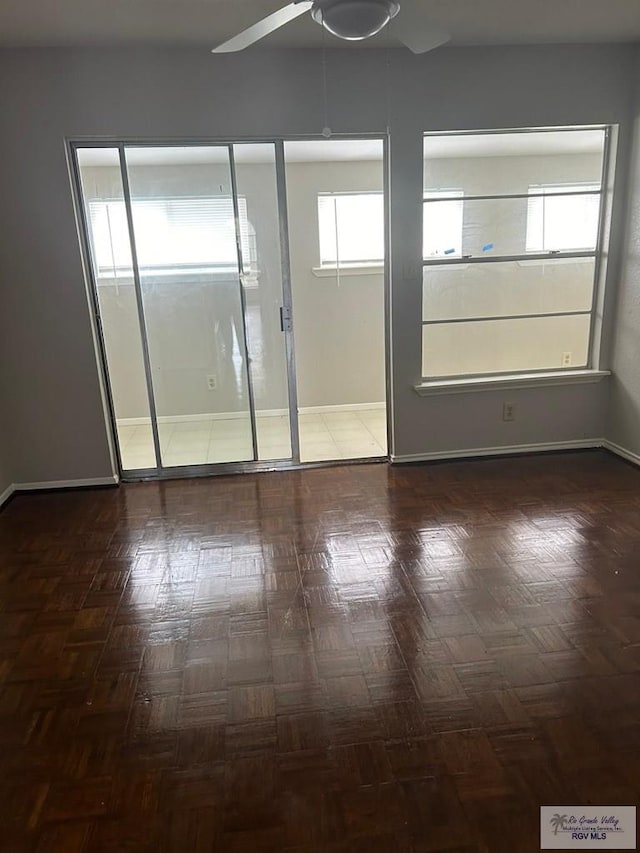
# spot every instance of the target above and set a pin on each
(225, 469)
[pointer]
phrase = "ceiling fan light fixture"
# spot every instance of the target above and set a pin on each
(354, 20)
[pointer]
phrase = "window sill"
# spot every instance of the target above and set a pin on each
(520, 380)
(335, 271)
(250, 281)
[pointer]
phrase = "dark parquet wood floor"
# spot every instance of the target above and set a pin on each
(349, 659)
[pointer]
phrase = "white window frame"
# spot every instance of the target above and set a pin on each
(518, 378)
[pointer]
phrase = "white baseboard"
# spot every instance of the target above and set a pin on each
(67, 484)
(184, 419)
(622, 451)
(542, 447)
(576, 444)
(346, 407)
(4, 496)
(133, 421)
(204, 418)
(207, 417)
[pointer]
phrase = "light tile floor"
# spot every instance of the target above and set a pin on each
(323, 437)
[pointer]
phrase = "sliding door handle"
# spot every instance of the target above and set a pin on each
(285, 318)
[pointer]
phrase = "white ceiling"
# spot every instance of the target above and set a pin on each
(351, 150)
(208, 22)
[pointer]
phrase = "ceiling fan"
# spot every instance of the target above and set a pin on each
(353, 20)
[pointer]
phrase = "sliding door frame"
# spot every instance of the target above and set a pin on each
(210, 469)
(144, 340)
(95, 315)
(243, 302)
(287, 297)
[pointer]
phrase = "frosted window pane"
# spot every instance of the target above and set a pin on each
(496, 346)
(457, 291)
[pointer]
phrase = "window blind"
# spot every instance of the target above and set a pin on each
(566, 222)
(171, 234)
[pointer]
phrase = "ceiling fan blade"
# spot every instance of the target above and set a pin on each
(264, 27)
(416, 31)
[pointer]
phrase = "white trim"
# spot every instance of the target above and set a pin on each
(334, 271)
(467, 453)
(208, 278)
(544, 447)
(435, 261)
(67, 484)
(558, 259)
(4, 496)
(622, 452)
(206, 417)
(346, 407)
(133, 421)
(520, 380)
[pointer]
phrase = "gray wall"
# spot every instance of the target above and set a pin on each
(623, 427)
(54, 396)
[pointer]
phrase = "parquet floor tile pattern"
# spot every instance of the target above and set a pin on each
(363, 658)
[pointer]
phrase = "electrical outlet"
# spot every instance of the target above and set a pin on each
(212, 382)
(566, 359)
(508, 411)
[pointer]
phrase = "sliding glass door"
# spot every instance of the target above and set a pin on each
(266, 290)
(117, 304)
(184, 232)
(185, 249)
(335, 192)
(205, 259)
